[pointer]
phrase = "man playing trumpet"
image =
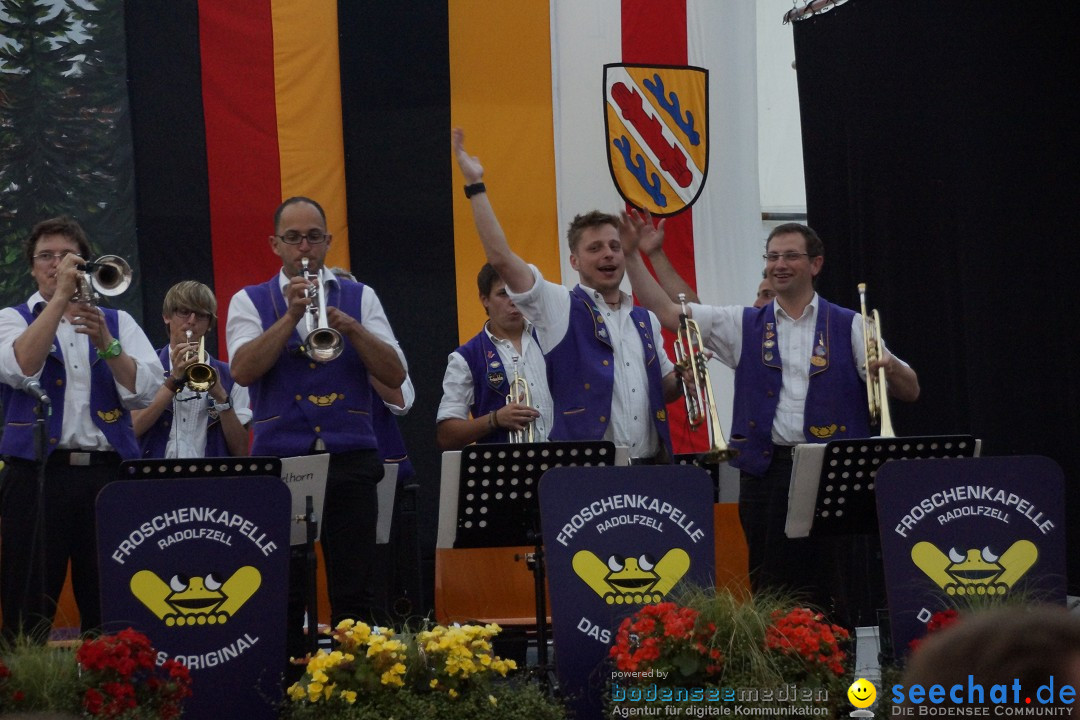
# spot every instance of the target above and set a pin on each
(485, 376)
(188, 419)
(94, 366)
(799, 377)
(303, 405)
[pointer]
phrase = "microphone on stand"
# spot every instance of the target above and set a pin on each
(32, 386)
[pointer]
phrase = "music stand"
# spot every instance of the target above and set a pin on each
(306, 508)
(843, 491)
(498, 505)
(700, 460)
(832, 497)
(175, 468)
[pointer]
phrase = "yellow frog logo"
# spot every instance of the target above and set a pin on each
(631, 580)
(975, 572)
(202, 600)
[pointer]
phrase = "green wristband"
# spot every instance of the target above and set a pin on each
(112, 351)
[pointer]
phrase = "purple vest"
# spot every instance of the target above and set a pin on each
(490, 383)
(581, 374)
(298, 399)
(836, 406)
(156, 439)
(388, 435)
(106, 410)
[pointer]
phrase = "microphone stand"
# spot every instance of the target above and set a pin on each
(37, 547)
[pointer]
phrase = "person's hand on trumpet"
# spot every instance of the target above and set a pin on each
(514, 416)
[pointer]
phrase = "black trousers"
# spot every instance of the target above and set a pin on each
(30, 601)
(350, 514)
(804, 566)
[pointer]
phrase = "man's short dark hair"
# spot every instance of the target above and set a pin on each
(814, 246)
(296, 200)
(64, 226)
(485, 279)
(583, 222)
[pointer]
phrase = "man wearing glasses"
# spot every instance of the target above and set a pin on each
(783, 395)
(185, 421)
(93, 366)
(302, 406)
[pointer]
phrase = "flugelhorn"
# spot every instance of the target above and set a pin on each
(323, 343)
(876, 394)
(200, 376)
(520, 393)
(108, 276)
(700, 403)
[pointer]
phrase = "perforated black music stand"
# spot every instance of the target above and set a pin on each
(845, 502)
(499, 506)
(702, 461)
(176, 468)
(845, 512)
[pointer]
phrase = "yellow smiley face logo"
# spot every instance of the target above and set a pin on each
(862, 693)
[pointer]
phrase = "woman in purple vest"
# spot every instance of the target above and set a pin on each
(95, 366)
(182, 422)
(799, 377)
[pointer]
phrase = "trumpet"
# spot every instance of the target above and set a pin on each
(876, 395)
(200, 376)
(323, 343)
(700, 404)
(108, 276)
(520, 393)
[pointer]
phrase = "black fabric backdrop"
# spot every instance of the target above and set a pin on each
(940, 150)
(396, 116)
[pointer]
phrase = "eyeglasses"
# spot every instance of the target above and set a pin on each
(186, 313)
(48, 257)
(788, 256)
(314, 237)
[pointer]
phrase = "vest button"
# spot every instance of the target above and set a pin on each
(311, 365)
(318, 429)
(606, 363)
(770, 393)
(298, 398)
(766, 453)
(53, 441)
(586, 386)
(603, 419)
(753, 424)
(59, 382)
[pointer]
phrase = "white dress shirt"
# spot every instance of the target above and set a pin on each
(459, 393)
(191, 416)
(547, 305)
(78, 431)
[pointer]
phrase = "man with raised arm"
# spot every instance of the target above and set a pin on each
(799, 377)
(609, 375)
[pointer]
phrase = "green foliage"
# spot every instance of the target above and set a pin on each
(41, 678)
(767, 643)
(65, 138)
